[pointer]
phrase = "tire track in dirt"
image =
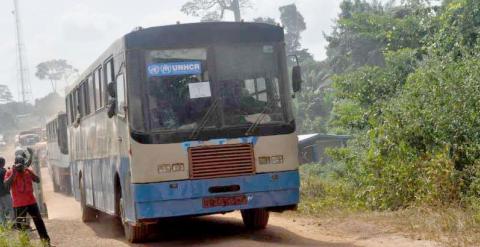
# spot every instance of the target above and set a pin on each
(66, 229)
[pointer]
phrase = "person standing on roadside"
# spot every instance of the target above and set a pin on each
(20, 181)
(6, 210)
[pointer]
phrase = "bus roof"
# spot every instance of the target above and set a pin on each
(55, 117)
(188, 35)
(203, 33)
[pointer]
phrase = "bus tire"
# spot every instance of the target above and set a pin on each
(255, 219)
(88, 214)
(133, 234)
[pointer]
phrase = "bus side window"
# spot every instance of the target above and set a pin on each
(92, 106)
(67, 104)
(83, 100)
(98, 88)
(62, 139)
(83, 103)
(76, 100)
(72, 105)
(109, 75)
(121, 101)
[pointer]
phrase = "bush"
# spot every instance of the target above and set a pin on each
(413, 113)
(323, 190)
(9, 238)
(424, 146)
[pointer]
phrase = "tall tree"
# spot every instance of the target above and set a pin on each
(314, 103)
(294, 24)
(54, 71)
(5, 94)
(365, 30)
(214, 10)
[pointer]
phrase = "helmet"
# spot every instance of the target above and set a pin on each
(20, 152)
(19, 160)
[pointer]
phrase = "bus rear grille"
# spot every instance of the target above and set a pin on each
(221, 161)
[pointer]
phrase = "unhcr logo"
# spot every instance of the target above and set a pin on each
(172, 69)
(166, 69)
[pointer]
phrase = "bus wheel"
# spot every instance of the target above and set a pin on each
(255, 219)
(88, 214)
(133, 234)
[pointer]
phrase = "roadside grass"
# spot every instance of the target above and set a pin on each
(453, 226)
(325, 195)
(10, 238)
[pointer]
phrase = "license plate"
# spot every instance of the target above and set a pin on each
(225, 201)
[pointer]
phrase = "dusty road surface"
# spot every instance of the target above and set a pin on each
(9, 154)
(66, 229)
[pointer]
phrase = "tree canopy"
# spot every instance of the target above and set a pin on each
(54, 71)
(5, 94)
(294, 25)
(214, 10)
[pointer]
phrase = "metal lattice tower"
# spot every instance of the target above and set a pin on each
(24, 87)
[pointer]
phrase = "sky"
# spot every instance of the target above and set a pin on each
(79, 31)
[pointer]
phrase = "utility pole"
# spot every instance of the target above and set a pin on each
(236, 10)
(23, 83)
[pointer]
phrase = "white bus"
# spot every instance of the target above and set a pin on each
(57, 154)
(184, 120)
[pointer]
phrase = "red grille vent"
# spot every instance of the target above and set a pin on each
(221, 161)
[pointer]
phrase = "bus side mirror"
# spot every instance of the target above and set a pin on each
(111, 89)
(297, 78)
(111, 108)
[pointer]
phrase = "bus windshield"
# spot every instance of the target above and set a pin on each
(172, 77)
(225, 86)
(248, 77)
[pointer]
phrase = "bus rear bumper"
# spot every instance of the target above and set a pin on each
(276, 191)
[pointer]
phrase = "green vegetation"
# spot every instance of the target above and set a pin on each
(407, 88)
(9, 238)
(415, 118)
(323, 191)
(17, 116)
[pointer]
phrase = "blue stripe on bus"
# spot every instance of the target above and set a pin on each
(176, 208)
(101, 177)
(179, 198)
(127, 189)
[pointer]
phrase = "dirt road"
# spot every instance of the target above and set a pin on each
(66, 229)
